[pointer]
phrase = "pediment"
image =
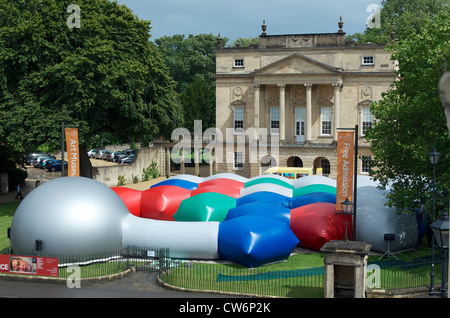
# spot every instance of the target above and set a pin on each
(297, 64)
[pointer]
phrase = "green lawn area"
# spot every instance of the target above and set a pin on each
(7, 211)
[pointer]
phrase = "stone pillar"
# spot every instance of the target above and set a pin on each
(345, 269)
(308, 121)
(282, 112)
(337, 106)
(256, 106)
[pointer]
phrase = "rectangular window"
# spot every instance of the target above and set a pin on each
(238, 161)
(299, 123)
(238, 63)
(239, 120)
(365, 161)
(274, 120)
(366, 119)
(368, 60)
(327, 114)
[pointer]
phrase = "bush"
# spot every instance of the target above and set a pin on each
(16, 176)
(150, 172)
(121, 181)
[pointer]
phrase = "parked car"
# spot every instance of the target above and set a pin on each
(49, 162)
(111, 156)
(106, 154)
(33, 156)
(55, 165)
(43, 162)
(91, 153)
(99, 154)
(39, 159)
(127, 159)
(124, 153)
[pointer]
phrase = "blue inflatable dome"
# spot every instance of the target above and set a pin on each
(264, 196)
(254, 240)
(179, 183)
(264, 209)
(313, 197)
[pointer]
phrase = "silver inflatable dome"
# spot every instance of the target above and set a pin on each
(71, 216)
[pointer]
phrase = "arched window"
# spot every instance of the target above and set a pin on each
(323, 163)
(294, 161)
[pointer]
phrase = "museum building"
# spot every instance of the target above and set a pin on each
(282, 101)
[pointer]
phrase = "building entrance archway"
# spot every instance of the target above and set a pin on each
(324, 163)
(294, 161)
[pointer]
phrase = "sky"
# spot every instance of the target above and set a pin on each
(243, 18)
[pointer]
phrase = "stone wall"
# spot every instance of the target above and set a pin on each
(143, 158)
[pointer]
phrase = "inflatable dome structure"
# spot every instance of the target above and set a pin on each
(251, 222)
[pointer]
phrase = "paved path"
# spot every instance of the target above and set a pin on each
(134, 285)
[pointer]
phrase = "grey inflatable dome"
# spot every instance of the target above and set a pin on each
(71, 216)
(375, 219)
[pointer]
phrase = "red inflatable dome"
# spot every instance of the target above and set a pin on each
(161, 203)
(231, 192)
(316, 224)
(222, 182)
(131, 198)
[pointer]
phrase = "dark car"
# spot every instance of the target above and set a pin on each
(43, 162)
(111, 156)
(33, 156)
(55, 165)
(38, 160)
(123, 154)
(105, 154)
(128, 159)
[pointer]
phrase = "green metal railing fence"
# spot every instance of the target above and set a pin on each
(107, 263)
(250, 281)
(231, 278)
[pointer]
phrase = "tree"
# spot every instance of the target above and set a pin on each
(404, 17)
(192, 64)
(410, 120)
(105, 76)
(243, 42)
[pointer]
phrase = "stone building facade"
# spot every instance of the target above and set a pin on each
(281, 102)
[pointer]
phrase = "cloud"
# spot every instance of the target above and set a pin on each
(238, 18)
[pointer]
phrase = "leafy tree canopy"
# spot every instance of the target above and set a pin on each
(192, 64)
(404, 17)
(410, 119)
(102, 76)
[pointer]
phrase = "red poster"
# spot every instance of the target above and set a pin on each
(31, 265)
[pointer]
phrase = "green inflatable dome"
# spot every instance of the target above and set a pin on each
(204, 207)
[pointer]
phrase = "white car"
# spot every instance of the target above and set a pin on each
(91, 153)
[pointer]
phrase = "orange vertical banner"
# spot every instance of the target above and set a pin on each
(345, 167)
(73, 152)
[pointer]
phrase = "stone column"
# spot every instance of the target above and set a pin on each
(337, 97)
(308, 121)
(282, 112)
(257, 90)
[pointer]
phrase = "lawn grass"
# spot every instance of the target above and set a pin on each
(7, 211)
